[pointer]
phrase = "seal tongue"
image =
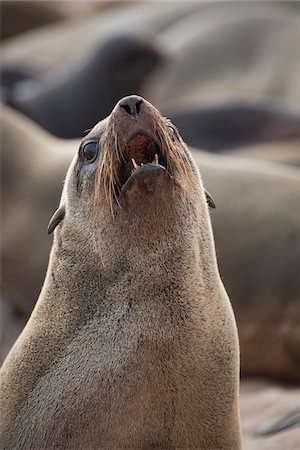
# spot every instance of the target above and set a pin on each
(142, 149)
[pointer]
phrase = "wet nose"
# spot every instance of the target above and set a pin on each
(131, 104)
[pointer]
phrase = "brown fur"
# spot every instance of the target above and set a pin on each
(138, 349)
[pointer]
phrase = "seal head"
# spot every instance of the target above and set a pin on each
(132, 168)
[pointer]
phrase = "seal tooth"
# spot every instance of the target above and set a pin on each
(155, 160)
(135, 165)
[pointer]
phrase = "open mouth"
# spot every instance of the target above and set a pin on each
(141, 149)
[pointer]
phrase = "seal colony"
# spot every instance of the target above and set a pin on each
(132, 343)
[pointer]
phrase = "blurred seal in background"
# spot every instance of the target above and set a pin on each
(46, 49)
(257, 233)
(33, 169)
(229, 126)
(229, 52)
(18, 17)
(72, 100)
(284, 152)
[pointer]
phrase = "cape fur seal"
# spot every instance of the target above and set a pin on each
(132, 343)
(231, 125)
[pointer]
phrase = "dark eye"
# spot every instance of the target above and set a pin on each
(173, 132)
(90, 151)
(173, 128)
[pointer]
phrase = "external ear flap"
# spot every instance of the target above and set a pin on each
(56, 218)
(209, 199)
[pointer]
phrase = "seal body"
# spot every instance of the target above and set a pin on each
(34, 165)
(132, 343)
(213, 127)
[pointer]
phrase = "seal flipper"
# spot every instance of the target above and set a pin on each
(210, 200)
(56, 218)
(289, 421)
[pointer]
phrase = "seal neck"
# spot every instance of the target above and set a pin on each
(83, 282)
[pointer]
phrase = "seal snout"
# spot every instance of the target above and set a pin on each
(131, 104)
(141, 145)
(137, 135)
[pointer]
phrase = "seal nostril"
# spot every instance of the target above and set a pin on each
(138, 106)
(131, 104)
(127, 109)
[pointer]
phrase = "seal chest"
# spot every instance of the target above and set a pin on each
(132, 343)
